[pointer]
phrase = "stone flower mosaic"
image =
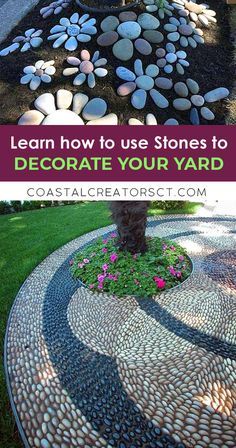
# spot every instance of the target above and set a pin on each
(169, 60)
(199, 13)
(67, 109)
(186, 34)
(190, 99)
(54, 8)
(165, 33)
(140, 83)
(101, 371)
(30, 40)
(86, 68)
(40, 72)
(124, 36)
(163, 7)
(71, 31)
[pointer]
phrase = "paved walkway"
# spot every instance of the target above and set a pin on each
(11, 13)
(90, 370)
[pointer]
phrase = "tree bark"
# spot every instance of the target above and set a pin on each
(130, 218)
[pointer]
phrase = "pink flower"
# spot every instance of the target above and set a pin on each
(105, 267)
(80, 265)
(101, 278)
(100, 285)
(164, 247)
(181, 258)
(105, 241)
(104, 250)
(86, 260)
(172, 271)
(113, 235)
(71, 262)
(136, 282)
(91, 286)
(113, 257)
(178, 274)
(172, 247)
(160, 283)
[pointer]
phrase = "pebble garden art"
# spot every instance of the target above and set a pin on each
(88, 366)
(148, 49)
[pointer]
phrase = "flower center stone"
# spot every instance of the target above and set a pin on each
(73, 30)
(86, 67)
(39, 72)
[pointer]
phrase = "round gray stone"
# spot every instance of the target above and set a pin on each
(145, 82)
(193, 86)
(181, 89)
(129, 30)
(164, 83)
(143, 47)
(152, 70)
(110, 23)
(153, 36)
(207, 114)
(197, 100)
(182, 104)
(148, 21)
(173, 37)
(171, 58)
(123, 49)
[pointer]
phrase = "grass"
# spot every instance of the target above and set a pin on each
(25, 240)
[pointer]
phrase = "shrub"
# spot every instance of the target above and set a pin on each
(5, 207)
(17, 205)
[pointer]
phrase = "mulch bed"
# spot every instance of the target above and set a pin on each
(211, 65)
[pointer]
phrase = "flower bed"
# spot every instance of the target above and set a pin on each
(102, 268)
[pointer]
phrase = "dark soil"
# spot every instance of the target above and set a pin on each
(211, 65)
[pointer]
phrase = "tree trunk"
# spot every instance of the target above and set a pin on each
(131, 220)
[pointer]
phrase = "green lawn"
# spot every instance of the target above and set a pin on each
(25, 240)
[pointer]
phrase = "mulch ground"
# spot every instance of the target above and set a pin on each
(211, 65)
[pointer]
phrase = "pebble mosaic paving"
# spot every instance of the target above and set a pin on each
(90, 370)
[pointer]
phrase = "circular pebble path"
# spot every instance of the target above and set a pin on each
(88, 370)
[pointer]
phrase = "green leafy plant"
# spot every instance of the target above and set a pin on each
(101, 267)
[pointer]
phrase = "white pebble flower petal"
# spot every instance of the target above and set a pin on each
(29, 69)
(39, 64)
(79, 79)
(60, 41)
(35, 82)
(50, 70)
(46, 78)
(26, 78)
(25, 47)
(29, 32)
(68, 109)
